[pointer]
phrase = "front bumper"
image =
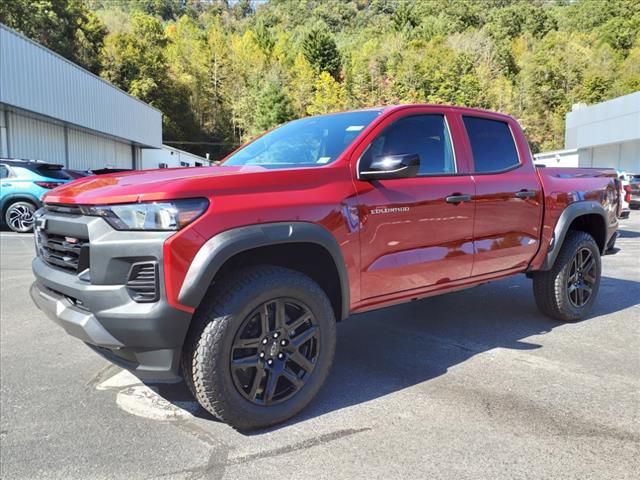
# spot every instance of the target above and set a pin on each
(96, 307)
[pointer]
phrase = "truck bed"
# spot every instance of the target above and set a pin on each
(565, 186)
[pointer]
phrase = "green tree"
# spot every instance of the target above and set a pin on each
(136, 62)
(188, 61)
(67, 27)
(247, 70)
(628, 75)
(329, 96)
(223, 70)
(273, 106)
(165, 9)
(595, 88)
(242, 9)
(520, 17)
(217, 117)
(321, 52)
(302, 85)
(404, 17)
(587, 15)
(620, 33)
(264, 38)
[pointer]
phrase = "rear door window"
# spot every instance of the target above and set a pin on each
(492, 145)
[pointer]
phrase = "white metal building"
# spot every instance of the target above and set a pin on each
(557, 158)
(169, 157)
(51, 109)
(606, 134)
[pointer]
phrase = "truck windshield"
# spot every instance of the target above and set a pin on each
(308, 142)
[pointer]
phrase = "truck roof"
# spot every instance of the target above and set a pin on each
(444, 106)
(398, 107)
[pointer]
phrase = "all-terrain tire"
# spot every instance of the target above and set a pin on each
(216, 322)
(551, 288)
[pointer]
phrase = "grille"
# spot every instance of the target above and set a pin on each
(143, 282)
(64, 209)
(68, 253)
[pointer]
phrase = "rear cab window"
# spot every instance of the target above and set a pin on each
(492, 145)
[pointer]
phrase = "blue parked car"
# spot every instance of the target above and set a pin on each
(22, 185)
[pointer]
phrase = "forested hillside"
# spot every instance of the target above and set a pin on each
(222, 71)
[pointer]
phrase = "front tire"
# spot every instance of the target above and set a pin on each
(260, 346)
(567, 291)
(19, 216)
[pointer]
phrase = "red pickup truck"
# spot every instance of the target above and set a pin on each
(234, 276)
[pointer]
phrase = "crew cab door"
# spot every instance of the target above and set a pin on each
(508, 199)
(415, 232)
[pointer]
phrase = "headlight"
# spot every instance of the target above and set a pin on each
(169, 215)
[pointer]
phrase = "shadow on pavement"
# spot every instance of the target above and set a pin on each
(628, 234)
(384, 351)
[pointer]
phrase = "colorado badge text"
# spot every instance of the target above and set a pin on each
(379, 210)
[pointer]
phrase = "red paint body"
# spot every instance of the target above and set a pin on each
(430, 248)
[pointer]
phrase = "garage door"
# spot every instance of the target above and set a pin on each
(34, 139)
(87, 151)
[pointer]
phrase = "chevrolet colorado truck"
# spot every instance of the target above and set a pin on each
(234, 276)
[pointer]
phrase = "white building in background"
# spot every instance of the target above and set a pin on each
(606, 134)
(51, 109)
(169, 157)
(557, 158)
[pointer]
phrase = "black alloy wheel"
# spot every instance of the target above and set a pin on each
(274, 351)
(260, 346)
(568, 290)
(582, 278)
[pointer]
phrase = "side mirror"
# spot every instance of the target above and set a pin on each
(391, 166)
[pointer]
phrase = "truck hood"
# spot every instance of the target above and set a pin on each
(149, 185)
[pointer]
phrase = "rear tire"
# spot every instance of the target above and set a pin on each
(567, 291)
(19, 216)
(260, 346)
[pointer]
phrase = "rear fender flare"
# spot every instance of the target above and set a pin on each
(570, 213)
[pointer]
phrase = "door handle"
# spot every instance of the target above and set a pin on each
(457, 198)
(526, 194)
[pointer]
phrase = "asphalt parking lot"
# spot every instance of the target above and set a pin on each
(476, 384)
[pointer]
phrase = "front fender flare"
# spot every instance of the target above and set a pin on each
(220, 248)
